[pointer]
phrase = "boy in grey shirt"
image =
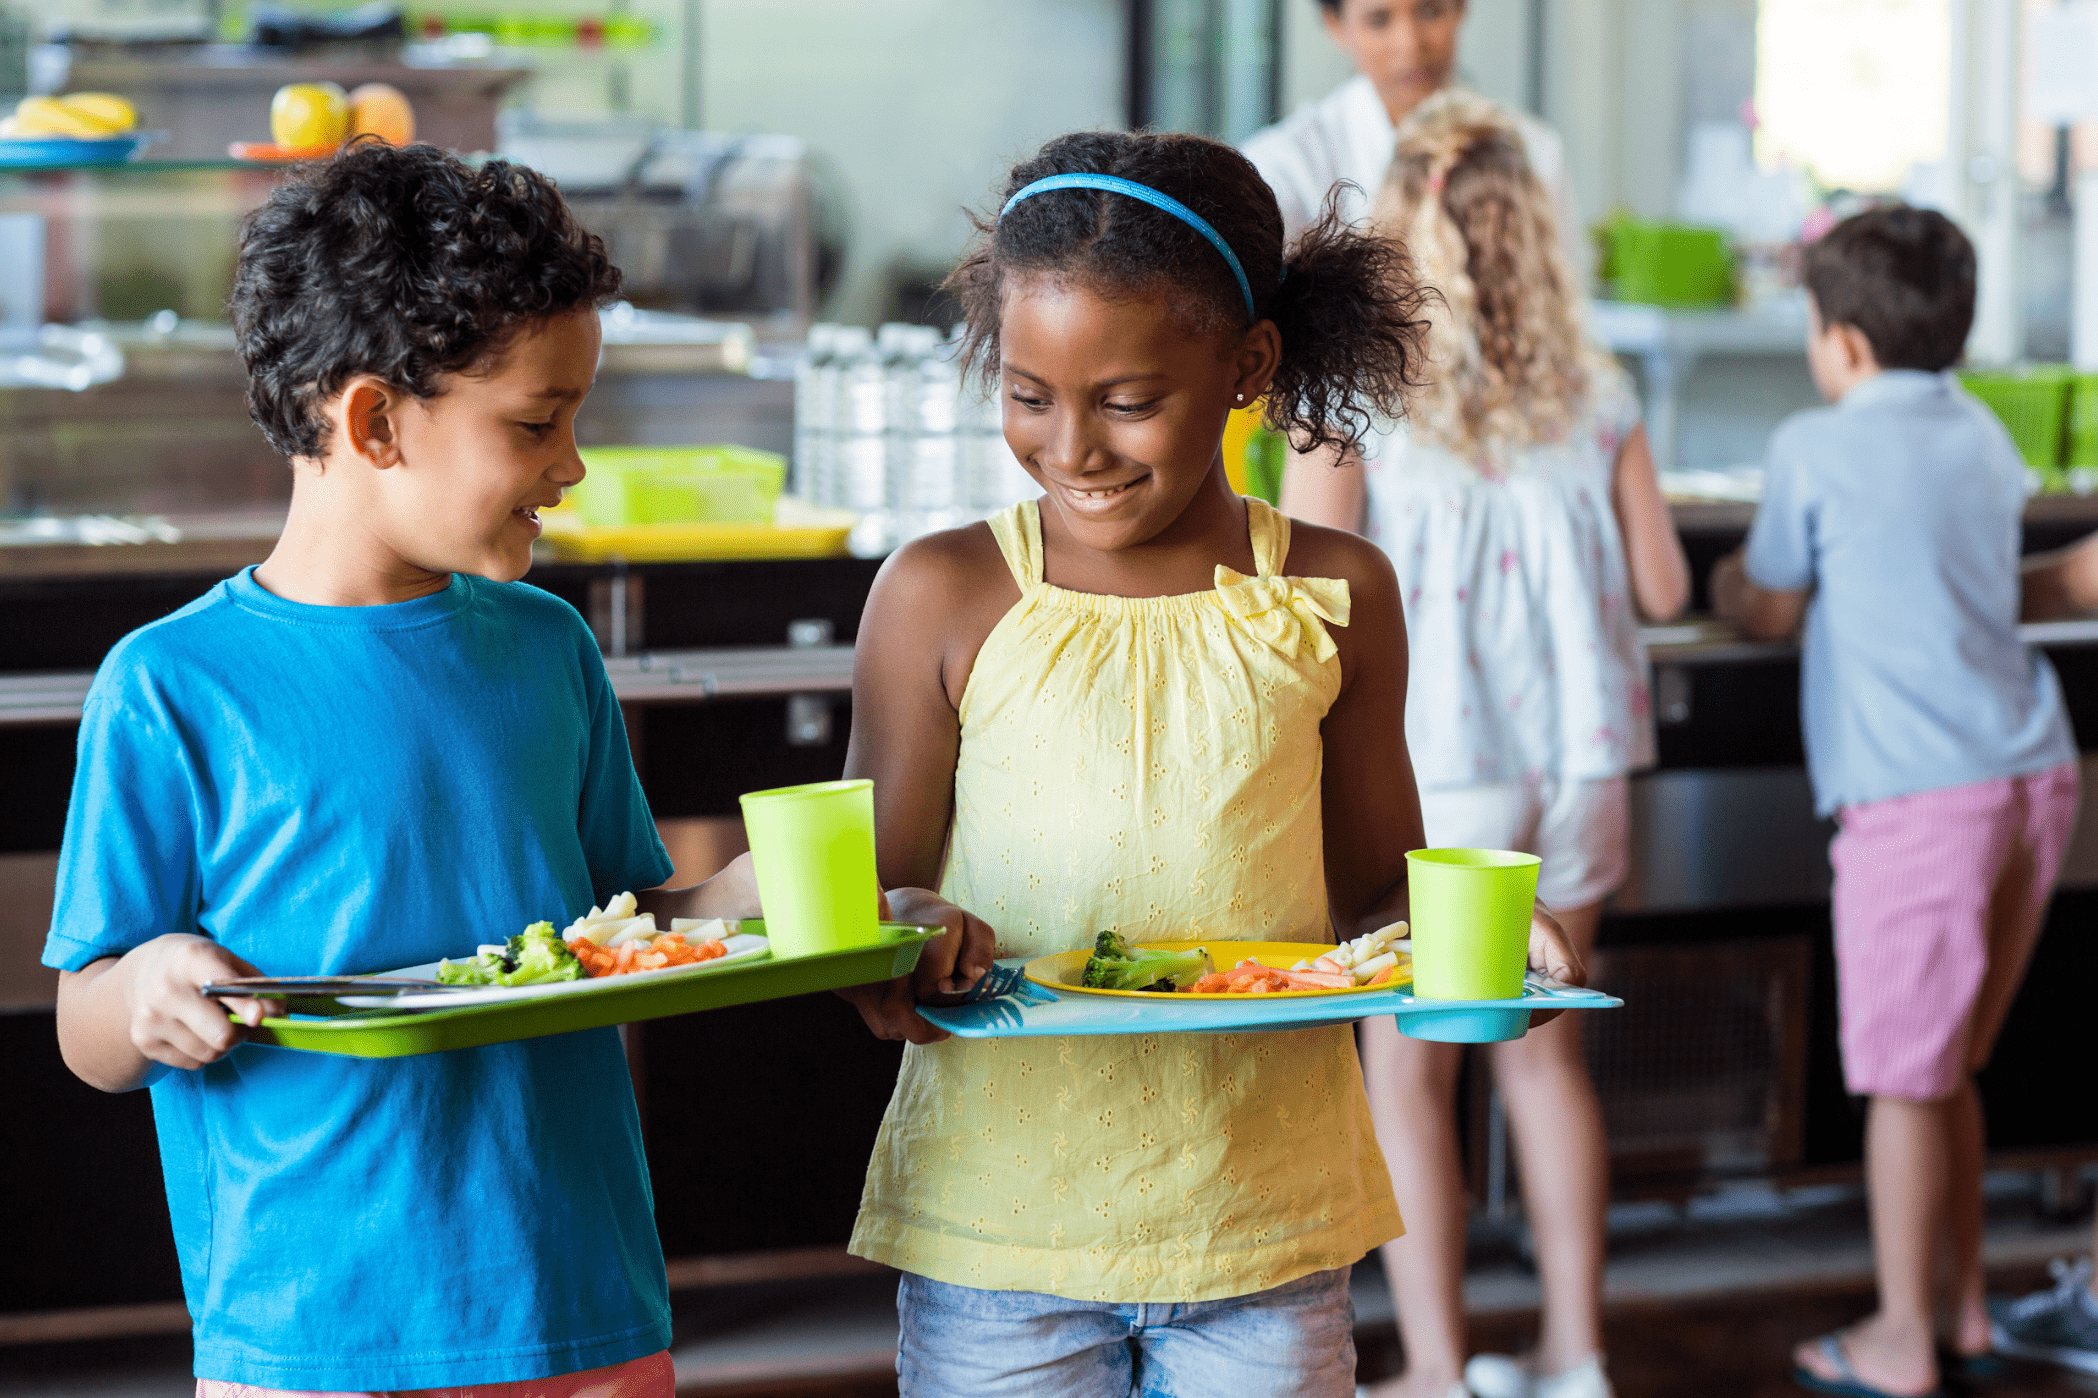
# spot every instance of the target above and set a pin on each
(1890, 523)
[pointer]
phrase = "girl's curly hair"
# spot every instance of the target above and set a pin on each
(402, 262)
(1346, 305)
(1510, 362)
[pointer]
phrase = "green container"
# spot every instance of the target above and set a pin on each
(813, 850)
(2033, 403)
(1470, 910)
(2083, 421)
(678, 485)
(1669, 264)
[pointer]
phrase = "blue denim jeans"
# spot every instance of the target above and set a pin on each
(1295, 1341)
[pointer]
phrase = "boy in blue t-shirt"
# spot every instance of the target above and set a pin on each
(372, 750)
(1890, 524)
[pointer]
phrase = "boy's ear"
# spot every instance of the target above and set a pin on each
(367, 421)
(1857, 348)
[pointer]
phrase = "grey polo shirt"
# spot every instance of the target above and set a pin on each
(1900, 508)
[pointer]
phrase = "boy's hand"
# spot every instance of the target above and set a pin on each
(163, 1016)
(948, 967)
(1552, 953)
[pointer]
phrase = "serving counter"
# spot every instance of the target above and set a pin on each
(736, 676)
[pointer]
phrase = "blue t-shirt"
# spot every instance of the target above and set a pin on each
(354, 789)
(1900, 507)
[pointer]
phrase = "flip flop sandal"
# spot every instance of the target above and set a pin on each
(1846, 1384)
(1985, 1365)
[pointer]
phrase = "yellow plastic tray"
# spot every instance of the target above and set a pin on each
(670, 543)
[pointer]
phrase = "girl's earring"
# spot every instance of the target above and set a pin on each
(1241, 397)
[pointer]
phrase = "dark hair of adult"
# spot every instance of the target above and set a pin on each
(1904, 277)
(1346, 305)
(402, 262)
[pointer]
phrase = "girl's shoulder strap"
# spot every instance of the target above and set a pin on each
(1018, 529)
(1270, 531)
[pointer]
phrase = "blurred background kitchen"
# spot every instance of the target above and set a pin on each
(784, 183)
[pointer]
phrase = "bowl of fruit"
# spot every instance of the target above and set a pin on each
(80, 128)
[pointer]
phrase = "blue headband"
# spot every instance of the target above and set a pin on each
(1115, 184)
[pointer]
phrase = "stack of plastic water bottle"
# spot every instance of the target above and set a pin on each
(884, 426)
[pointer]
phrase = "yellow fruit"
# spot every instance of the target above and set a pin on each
(309, 116)
(115, 114)
(47, 116)
(382, 110)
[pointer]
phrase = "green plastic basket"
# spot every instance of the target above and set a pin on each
(678, 485)
(1669, 264)
(2033, 403)
(2083, 421)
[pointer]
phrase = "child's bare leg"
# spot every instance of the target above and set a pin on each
(1970, 1311)
(1543, 1078)
(2017, 911)
(1413, 1091)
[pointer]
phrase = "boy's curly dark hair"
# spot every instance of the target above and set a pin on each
(1348, 309)
(402, 262)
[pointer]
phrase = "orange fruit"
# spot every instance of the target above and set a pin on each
(382, 110)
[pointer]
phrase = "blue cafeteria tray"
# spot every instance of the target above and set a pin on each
(1035, 1011)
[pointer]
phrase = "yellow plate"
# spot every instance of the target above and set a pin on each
(1063, 970)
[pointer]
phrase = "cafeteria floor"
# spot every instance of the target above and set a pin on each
(1705, 1298)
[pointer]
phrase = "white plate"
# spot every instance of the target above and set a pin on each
(742, 947)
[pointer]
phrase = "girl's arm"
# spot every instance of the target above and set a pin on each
(1322, 487)
(1660, 572)
(928, 613)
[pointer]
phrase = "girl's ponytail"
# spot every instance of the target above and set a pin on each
(1351, 319)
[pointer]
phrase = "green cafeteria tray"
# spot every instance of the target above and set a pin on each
(624, 999)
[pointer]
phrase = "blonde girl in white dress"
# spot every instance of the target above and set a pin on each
(1520, 508)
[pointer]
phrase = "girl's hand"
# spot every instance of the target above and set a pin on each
(948, 967)
(1552, 953)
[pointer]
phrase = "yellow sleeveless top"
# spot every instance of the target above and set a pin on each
(1148, 765)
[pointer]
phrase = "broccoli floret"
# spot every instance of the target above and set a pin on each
(537, 955)
(1116, 965)
(533, 957)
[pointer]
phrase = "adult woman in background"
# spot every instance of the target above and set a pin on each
(1404, 52)
(1519, 506)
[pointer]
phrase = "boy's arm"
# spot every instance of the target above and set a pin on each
(2061, 584)
(1780, 550)
(1766, 614)
(732, 893)
(119, 1016)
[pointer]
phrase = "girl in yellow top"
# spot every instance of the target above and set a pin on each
(1111, 709)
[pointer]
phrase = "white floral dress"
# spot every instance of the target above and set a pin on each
(1525, 654)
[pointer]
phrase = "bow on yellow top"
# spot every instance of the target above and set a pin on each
(1286, 612)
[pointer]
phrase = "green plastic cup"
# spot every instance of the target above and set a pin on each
(813, 848)
(1471, 922)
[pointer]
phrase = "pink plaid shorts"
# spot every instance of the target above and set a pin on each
(1919, 880)
(647, 1377)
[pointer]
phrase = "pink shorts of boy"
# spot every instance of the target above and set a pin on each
(649, 1376)
(1928, 887)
